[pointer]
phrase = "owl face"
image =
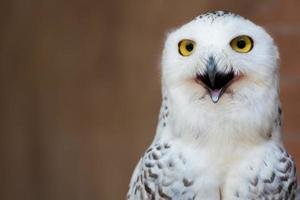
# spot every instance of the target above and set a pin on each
(219, 58)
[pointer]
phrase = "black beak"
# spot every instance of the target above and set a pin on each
(215, 82)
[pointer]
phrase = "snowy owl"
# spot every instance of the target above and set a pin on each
(219, 130)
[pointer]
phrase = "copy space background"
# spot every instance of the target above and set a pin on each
(80, 88)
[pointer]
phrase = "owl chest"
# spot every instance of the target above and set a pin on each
(169, 172)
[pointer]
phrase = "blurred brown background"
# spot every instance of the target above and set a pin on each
(80, 88)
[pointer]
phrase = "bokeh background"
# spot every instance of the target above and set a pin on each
(80, 88)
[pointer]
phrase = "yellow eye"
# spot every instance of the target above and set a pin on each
(242, 44)
(186, 47)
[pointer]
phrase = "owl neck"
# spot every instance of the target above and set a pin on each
(199, 123)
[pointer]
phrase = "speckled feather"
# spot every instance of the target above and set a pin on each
(163, 173)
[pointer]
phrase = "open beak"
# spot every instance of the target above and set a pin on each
(215, 82)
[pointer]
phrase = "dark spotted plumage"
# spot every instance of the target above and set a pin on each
(164, 112)
(216, 14)
(163, 174)
(275, 178)
(278, 120)
(162, 177)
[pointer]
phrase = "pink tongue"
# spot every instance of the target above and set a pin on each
(215, 94)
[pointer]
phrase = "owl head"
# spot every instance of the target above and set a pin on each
(220, 62)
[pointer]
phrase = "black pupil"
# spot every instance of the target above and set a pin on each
(241, 44)
(189, 47)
